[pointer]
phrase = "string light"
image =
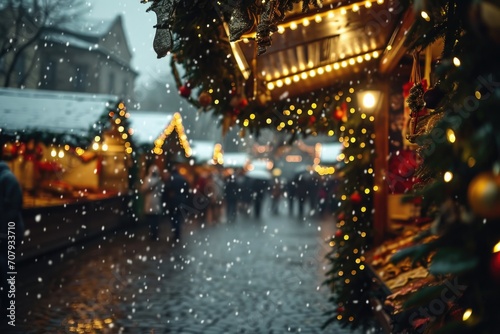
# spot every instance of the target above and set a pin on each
(496, 249)
(174, 125)
(467, 314)
(448, 176)
(303, 75)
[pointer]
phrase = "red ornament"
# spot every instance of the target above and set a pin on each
(495, 267)
(340, 309)
(356, 197)
(338, 114)
(243, 103)
(312, 120)
(185, 90)
(205, 99)
(339, 233)
(341, 216)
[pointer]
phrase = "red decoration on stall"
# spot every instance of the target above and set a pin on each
(339, 233)
(402, 174)
(406, 89)
(48, 166)
(312, 120)
(495, 267)
(10, 151)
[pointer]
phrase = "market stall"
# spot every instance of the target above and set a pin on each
(71, 153)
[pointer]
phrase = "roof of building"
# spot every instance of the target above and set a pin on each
(203, 151)
(89, 26)
(87, 35)
(148, 125)
(24, 110)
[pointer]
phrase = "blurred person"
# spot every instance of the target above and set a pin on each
(290, 194)
(152, 189)
(259, 189)
(11, 232)
(201, 192)
(231, 194)
(178, 197)
(275, 196)
(218, 195)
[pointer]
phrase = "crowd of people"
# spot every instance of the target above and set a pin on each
(225, 196)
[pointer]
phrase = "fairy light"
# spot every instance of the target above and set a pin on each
(448, 176)
(311, 73)
(496, 249)
(451, 136)
(425, 16)
(467, 314)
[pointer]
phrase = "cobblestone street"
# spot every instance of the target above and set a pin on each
(244, 277)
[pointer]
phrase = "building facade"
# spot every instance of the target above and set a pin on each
(80, 56)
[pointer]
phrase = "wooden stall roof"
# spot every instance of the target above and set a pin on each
(24, 110)
(337, 42)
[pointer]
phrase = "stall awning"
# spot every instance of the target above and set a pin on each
(236, 159)
(23, 111)
(148, 125)
(203, 151)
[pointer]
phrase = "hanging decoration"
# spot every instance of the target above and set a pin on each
(205, 99)
(185, 90)
(433, 96)
(415, 100)
(484, 195)
(243, 17)
(251, 16)
(163, 41)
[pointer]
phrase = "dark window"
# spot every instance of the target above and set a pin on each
(20, 69)
(49, 75)
(80, 79)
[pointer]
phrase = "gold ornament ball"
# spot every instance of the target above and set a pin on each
(484, 195)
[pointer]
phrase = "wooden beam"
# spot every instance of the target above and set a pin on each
(380, 218)
(395, 49)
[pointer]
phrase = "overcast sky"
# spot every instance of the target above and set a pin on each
(140, 32)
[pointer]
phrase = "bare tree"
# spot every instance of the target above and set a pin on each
(22, 25)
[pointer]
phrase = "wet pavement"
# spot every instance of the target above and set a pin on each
(248, 276)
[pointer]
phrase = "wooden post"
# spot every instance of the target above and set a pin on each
(381, 127)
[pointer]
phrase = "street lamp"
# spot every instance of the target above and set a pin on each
(369, 100)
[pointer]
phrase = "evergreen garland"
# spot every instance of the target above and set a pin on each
(347, 277)
(461, 153)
